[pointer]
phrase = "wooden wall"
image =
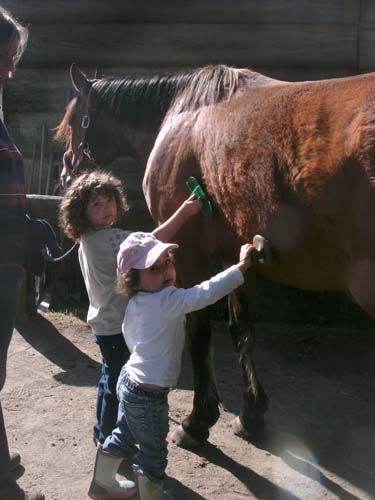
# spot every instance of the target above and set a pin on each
(290, 39)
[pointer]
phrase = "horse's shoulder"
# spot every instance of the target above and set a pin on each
(173, 145)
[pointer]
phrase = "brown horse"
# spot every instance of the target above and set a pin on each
(292, 161)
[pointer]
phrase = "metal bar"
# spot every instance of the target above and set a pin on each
(49, 169)
(42, 145)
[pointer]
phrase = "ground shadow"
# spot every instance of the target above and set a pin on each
(78, 368)
(321, 384)
(177, 489)
(257, 485)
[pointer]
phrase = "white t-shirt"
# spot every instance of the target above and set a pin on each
(154, 326)
(98, 260)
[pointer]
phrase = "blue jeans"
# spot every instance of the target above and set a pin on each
(10, 284)
(114, 355)
(146, 415)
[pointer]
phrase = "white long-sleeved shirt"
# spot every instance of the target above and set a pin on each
(154, 326)
(98, 260)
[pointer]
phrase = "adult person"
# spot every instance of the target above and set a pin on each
(13, 39)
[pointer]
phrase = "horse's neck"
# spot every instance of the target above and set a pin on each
(142, 142)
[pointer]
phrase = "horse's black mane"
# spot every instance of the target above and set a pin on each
(144, 101)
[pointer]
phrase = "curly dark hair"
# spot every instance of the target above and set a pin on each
(72, 212)
(128, 283)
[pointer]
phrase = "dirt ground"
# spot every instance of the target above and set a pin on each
(320, 435)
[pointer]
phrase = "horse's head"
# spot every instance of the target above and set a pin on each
(88, 140)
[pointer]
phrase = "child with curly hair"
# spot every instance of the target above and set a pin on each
(89, 209)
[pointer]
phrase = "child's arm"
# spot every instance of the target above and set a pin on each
(169, 228)
(177, 301)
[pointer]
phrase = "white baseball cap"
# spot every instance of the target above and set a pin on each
(140, 251)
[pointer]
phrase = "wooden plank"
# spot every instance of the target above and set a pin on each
(22, 96)
(44, 207)
(185, 11)
(22, 128)
(366, 48)
(271, 45)
(367, 11)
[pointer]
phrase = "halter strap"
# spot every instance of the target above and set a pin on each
(83, 149)
(85, 123)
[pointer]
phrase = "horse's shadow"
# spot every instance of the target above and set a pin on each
(257, 485)
(273, 443)
(78, 368)
(320, 416)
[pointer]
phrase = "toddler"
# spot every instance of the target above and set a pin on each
(154, 330)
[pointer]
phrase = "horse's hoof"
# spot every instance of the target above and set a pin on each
(183, 440)
(240, 431)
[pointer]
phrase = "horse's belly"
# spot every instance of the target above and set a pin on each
(305, 280)
(309, 268)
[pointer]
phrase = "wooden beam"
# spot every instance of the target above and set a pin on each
(273, 45)
(367, 12)
(366, 48)
(185, 11)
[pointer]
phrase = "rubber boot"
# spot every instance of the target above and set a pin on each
(10, 490)
(147, 489)
(104, 484)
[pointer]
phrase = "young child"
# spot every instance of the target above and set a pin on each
(154, 330)
(92, 204)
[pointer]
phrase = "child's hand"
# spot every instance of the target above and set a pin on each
(245, 257)
(192, 206)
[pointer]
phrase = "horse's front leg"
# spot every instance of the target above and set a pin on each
(250, 423)
(195, 428)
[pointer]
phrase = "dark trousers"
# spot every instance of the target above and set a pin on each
(114, 355)
(10, 284)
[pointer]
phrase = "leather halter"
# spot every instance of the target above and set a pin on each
(83, 147)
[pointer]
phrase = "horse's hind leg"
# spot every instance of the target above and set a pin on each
(195, 428)
(250, 422)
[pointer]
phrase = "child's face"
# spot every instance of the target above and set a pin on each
(101, 211)
(159, 275)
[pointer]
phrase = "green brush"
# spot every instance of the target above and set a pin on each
(195, 188)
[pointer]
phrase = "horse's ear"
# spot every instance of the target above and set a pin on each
(79, 80)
